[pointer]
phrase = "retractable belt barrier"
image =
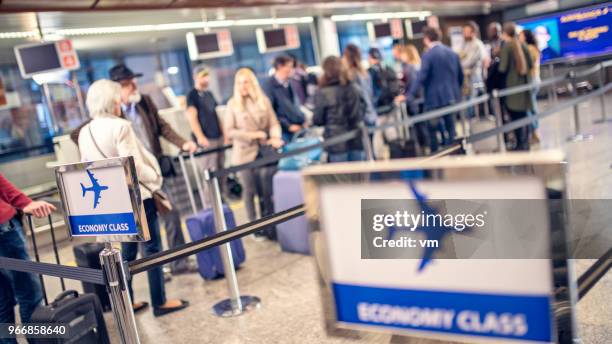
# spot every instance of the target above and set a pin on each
(88, 275)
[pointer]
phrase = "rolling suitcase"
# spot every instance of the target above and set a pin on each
(88, 256)
(202, 225)
(293, 235)
(82, 314)
(402, 145)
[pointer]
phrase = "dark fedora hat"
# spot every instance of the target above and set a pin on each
(122, 72)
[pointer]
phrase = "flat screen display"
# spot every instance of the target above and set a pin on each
(207, 43)
(39, 58)
(417, 27)
(382, 30)
(275, 38)
(578, 33)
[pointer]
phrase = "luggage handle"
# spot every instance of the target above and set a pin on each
(63, 295)
(198, 180)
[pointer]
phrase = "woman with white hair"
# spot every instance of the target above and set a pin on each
(106, 136)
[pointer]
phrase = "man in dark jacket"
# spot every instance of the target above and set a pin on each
(441, 78)
(149, 127)
(284, 99)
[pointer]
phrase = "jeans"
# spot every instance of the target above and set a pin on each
(129, 252)
(534, 103)
(174, 233)
(352, 155)
(446, 128)
(16, 287)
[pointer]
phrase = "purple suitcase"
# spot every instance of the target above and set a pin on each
(292, 234)
(202, 225)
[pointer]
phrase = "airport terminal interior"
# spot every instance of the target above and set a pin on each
(216, 102)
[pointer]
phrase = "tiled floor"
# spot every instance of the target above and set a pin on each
(291, 311)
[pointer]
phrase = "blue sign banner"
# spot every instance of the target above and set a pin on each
(524, 317)
(103, 224)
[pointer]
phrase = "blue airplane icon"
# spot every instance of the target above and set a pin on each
(95, 187)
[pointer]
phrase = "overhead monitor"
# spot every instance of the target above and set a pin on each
(579, 33)
(209, 45)
(414, 28)
(392, 28)
(46, 57)
(278, 39)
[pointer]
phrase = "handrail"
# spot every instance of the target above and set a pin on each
(532, 85)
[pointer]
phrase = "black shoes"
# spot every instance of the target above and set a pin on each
(158, 312)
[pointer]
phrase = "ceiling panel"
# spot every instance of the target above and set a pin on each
(76, 5)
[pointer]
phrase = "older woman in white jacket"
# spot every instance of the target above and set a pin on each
(106, 136)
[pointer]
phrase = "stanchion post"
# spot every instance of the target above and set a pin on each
(499, 120)
(236, 304)
(553, 87)
(116, 278)
(577, 132)
(602, 97)
(367, 144)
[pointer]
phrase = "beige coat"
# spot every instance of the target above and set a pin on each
(241, 126)
(116, 138)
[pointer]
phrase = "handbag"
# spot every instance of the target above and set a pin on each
(166, 165)
(160, 198)
(300, 140)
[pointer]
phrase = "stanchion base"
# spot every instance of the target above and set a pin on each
(580, 137)
(602, 120)
(224, 308)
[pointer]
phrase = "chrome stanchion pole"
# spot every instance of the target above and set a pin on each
(236, 304)
(602, 97)
(553, 87)
(499, 120)
(116, 277)
(578, 136)
(367, 144)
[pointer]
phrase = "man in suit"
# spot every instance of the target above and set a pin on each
(283, 97)
(441, 78)
(149, 127)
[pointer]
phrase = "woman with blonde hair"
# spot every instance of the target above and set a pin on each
(251, 124)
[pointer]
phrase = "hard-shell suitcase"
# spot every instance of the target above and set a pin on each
(82, 314)
(202, 225)
(292, 234)
(88, 256)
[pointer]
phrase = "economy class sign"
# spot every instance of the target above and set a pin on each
(100, 200)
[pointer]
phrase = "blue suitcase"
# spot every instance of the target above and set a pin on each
(293, 235)
(202, 225)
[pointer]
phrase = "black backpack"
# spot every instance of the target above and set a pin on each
(385, 80)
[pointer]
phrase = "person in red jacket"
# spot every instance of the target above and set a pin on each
(17, 287)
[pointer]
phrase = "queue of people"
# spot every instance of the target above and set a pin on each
(260, 119)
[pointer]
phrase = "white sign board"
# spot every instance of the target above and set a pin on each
(102, 199)
(453, 299)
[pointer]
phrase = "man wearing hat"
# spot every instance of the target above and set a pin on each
(149, 126)
(206, 127)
